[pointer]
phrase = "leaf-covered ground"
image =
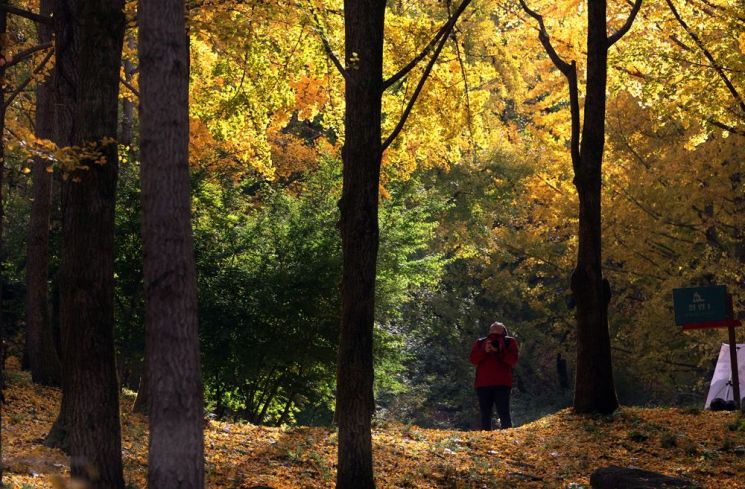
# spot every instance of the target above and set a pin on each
(558, 451)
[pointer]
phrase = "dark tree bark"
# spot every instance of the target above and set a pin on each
(561, 371)
(142, 401)
(176, 452)
(594, 387)
(89, 37)
(128, 107)
(43, 359)
(364, 22)
(361, 155)
(3, 31)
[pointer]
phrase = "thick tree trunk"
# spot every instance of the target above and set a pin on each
(594, 388)
(43, 359)
(89, 38)
(176, 452)
(364, 22)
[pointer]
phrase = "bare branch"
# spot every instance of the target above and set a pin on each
(324, 40)
(570, 72)
(130, 87)
(42, 19)
(24, 55)
(466, 93)
(444, 31)
(406, 69)
(625, 28)
(571, 76)
(722, 75)
(726, 127)
(25, 82)
(333, 57)
(415, 95)
(562, 65)
(466, 89)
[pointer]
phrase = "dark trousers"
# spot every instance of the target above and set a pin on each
(498, 395)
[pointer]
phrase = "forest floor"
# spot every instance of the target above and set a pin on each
(558, 451)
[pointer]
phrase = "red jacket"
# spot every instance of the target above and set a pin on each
(494, 368)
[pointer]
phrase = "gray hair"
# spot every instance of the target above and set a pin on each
(498, 323)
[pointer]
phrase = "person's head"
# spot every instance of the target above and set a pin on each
(497, 328)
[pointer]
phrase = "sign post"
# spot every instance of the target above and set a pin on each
(735, 367)
(710, 307)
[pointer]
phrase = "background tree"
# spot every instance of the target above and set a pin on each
(176, 450)
(88, 48)
(594, 387)
(44, 360)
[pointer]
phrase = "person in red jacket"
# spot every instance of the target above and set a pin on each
(494, 356)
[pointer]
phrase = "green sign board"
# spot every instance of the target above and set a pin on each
(700, 304)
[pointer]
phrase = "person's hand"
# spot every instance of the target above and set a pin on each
(488, 347)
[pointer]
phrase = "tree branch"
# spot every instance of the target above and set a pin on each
(562, 65)
(444, 31)
(25, 82)
(714, 122)
(324, 40)
(466, 90)
(625, 28)
(130, 87)
(571, 76)
(570, 72)
(42, 19)
(23, 55)
(726, 127)
(416, 93)
(728, 83)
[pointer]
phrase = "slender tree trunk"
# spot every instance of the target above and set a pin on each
(3, 34)
(89, 37)
(128, 107)
(739, 251)
(44, 362)
(286, 410)
(176, 452)
(594, 387)
(364, 23)
(267, 402)
(142, 401)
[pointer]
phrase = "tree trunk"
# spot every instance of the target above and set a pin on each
(3, 31)
(364, 23)
(43, 359)
(142, 401)
(594, 388)
(286, 410)
(89, 37)
(128, 107)
(176, 452)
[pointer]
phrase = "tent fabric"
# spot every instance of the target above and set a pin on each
(721, 381)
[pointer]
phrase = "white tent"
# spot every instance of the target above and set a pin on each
(721, 381)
